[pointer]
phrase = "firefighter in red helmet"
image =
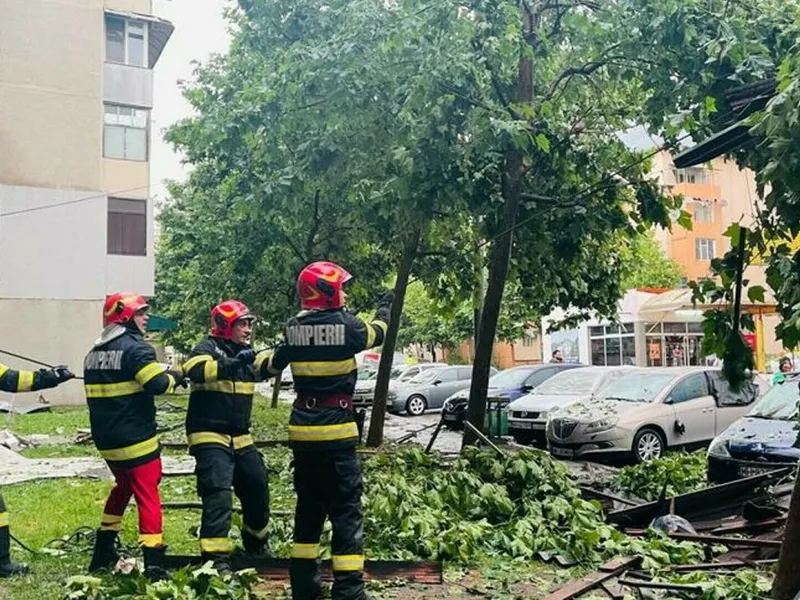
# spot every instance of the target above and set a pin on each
(320, 343)
(16, 382)
(223, 369)
(121, 378)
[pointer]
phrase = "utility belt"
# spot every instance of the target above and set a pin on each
(307, 402)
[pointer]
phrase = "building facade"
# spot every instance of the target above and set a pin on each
(76, 219)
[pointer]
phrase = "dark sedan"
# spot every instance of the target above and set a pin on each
(765, 439)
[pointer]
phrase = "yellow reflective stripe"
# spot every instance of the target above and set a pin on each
(208, 437)
(271, 367)
(310, 551)
(322, 433)
(261, 358)
(324, 368)
(259, 535)
(3, 370)
(215, 545)
(25, 381)
(196, 360)
(149, 372)
(210, 371)
(384, 327)
(226, 387)
(211, 437)
(151, 540)
(112, 390)
(370, 333)
(130, 452)
(111, 523)
(348, 562)
(3, 519)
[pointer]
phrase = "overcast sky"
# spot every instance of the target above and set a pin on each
(200, 30)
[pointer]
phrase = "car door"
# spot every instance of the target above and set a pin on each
(694, 410)
(447, 385)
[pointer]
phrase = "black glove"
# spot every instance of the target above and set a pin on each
(47, 379)
(247, 356)
(180, 380)
(386, 299)
(63, 373)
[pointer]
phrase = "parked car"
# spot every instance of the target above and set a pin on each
(527, 416)
(764, 439)
(508, 385)
(365, 390)
(429, 390)
(644, 413)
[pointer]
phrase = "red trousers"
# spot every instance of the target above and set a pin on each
(142, 483)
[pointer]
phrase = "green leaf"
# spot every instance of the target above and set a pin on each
(543, 143)
(756, 293)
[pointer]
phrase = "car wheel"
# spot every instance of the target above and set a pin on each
(416, 405)
(522, 437)
(648, 444)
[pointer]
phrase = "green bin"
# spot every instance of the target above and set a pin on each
(494, 426)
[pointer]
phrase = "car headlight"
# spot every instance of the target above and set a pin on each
(719, 448)
(447, 405)
(543, 415)
(602, 424)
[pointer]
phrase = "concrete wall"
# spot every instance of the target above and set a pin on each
(143, 7)
(54, 332)
(51, 54)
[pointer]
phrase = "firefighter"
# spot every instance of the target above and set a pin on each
(320, 343)
(222, 373)
(15, 382)
(121, 377)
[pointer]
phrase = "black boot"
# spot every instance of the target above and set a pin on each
(220, 561)
(7, 567)
(154, 563)
(105, 554)
(256, 547)
(305, 579)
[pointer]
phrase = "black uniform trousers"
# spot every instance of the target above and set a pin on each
(328, 484)
(220, 468)
(5, 537)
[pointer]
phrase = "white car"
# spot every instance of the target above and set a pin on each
(648, 411)
(527, 416)
(365, 389)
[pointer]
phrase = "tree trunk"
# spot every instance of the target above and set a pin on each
(378, 417)
(433, 353)
(499, 257)
(276, 389)
(787, 579)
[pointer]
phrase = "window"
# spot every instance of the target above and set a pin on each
(690, 388)
(704, 212)
(690, 175)
(126, 42)
(125, 132)
(673, 344)
(127, 227)
(613, 345)
(529, 340)
(538, 378)
(463, 373)
(705, 249)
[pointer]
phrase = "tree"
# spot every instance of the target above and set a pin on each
(646, 266)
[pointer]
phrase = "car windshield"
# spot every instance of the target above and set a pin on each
(509, 379)
(637, 387)
(780, 402)
(365, 374)
(574, 382)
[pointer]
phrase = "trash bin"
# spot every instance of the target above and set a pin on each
(496, 424)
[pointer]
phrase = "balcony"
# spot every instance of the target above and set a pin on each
(129, 86)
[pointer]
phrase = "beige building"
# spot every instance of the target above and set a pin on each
(76, 218)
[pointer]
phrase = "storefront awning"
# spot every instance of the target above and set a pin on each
(681, 300)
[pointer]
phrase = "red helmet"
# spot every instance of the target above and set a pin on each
(320, 284)
(225, 314)
(120, 307)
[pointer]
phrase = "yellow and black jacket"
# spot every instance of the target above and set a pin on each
(321, 347)
(121, 378)
(26, 381)
(221, 401)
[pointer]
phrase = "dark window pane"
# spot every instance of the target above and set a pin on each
(598, 352)
(628, 351)
(596, 331)
(127, 227)
(115, 40)
(674, 327)
(694, 386)
(613, 356)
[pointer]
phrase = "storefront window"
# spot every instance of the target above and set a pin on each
(673, 344)
(613, 345)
